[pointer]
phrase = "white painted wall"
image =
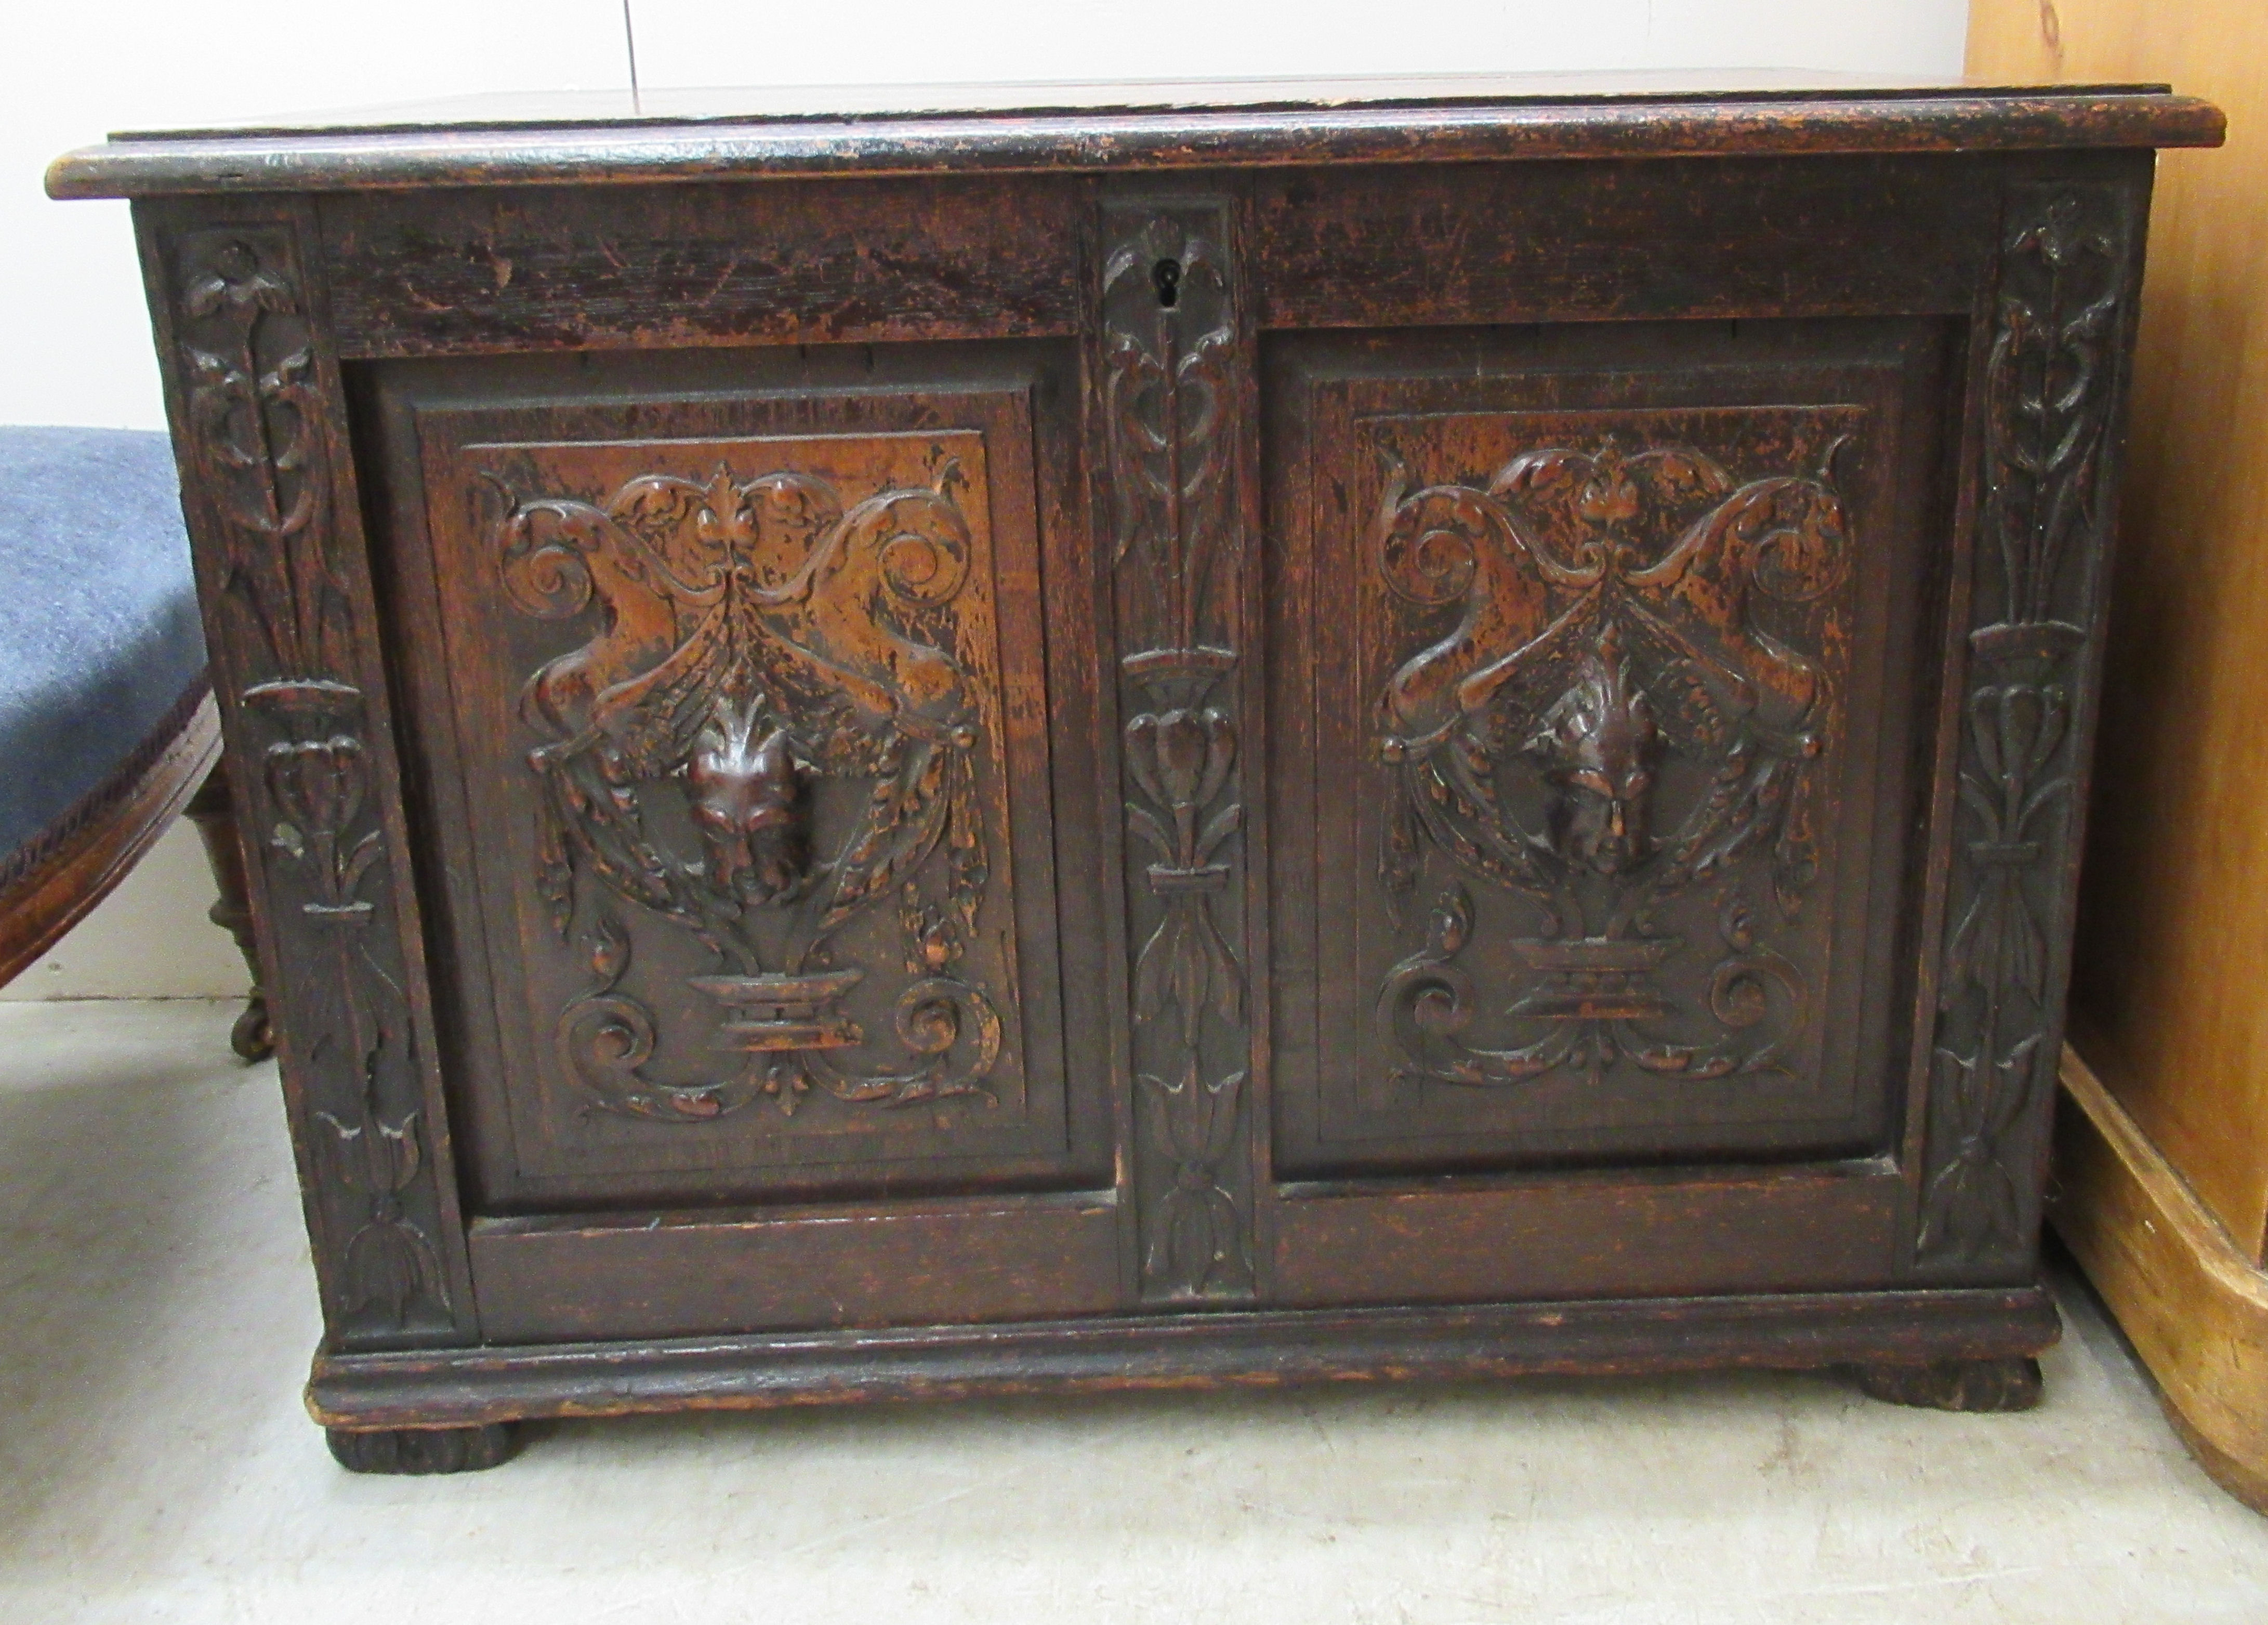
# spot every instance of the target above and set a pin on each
(74, 339)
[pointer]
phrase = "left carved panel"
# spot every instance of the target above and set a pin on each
(259, 422)
(739, 724)
(764, 646)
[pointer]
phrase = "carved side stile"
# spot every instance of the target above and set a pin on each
(1168, 404)
(2051, 393)
(286, 592)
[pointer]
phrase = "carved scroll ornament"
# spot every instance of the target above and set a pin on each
(760, 637)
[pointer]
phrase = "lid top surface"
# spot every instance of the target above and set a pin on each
(1119, 125)
(1024, 98)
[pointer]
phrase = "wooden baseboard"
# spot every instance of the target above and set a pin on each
(2193, 1304)
(461, 1388)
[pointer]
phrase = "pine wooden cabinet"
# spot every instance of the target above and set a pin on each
(1386, 731)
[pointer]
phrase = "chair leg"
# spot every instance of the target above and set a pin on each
(213, 812)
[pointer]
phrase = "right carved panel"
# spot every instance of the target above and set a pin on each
(1601, 756)
(1619, 742)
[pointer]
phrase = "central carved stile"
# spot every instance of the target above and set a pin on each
(1614, 723)
(763, 645)
(1169, 412)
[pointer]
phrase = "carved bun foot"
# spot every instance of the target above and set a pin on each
(422, 1450)
(252, 1037)
(2012, 1383)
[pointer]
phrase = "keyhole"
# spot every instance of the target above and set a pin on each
(1167, 275)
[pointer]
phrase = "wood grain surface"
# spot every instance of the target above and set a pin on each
(2185, 1294)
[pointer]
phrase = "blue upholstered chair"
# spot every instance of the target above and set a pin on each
(107, 729)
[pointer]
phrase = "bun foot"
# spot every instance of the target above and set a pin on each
(422, 1450)
(2012, 1383)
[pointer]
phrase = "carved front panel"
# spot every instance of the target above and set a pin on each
(1601, 778)
(740, 729)
(1621, 691)
(770, 745)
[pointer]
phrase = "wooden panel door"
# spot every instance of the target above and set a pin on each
(739, 757)
(1600, 657)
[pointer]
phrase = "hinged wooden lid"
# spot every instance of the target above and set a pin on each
(837, 130)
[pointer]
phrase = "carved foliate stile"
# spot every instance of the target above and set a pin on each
(2053, 380)
(256, 419)
(1170, 407)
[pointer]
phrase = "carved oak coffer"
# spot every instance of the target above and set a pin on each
(1396, 731)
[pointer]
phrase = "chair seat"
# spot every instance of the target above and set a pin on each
(99, 639)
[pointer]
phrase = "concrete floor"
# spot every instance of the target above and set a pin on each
(157, 1312)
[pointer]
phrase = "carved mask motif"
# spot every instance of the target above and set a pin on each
(1596, 749)
(746, 799)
